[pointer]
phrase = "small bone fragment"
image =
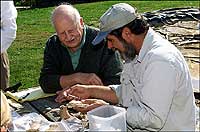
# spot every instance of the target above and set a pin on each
(64, 114)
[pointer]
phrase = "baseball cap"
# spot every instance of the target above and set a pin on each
(115, 17)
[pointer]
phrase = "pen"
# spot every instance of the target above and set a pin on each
(24, 97)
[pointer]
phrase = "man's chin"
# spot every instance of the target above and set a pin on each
(125, 58)
(73, 45)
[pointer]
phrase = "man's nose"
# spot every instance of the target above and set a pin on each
(68, 37)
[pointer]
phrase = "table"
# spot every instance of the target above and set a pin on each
(47, 107)
(50, 110)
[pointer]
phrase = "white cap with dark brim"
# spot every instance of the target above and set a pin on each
(100, 36)
(115, 17)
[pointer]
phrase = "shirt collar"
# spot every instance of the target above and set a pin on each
(83, 38)
(146, 45)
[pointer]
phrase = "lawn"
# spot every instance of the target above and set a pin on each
(34, 28)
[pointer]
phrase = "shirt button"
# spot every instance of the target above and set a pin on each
(131, 100)
(123, 79)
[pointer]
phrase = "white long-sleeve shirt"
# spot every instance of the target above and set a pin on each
(156, 87)
(8, 24)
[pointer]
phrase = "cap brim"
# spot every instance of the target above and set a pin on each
(100, 36)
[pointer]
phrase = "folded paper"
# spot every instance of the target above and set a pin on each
(28, 95)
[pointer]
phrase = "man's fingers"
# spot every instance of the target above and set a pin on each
(90, 104)
(93, 106)
(73, 97)
(63, 96)
(95, 82)
(99, 81)
(88, 101)
(88, 108)
(59, 99)
(94, 79)
(83, 110)
(58, 92)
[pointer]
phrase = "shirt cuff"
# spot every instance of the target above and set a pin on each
(117, 90)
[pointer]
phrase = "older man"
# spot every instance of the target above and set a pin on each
(155, 85)
(70, 58)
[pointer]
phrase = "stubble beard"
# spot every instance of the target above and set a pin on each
(129, 54)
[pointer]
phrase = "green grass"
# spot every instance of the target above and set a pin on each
(34, 28)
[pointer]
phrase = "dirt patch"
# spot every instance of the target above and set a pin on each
(185, 36)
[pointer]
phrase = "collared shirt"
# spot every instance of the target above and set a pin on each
(156, 87)
(8, 24)
(76, 55)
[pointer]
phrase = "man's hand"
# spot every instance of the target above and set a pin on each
(88, 78)
(80, 91)
(64, 96)
(90, 104)
(80, 78)
(76, 92)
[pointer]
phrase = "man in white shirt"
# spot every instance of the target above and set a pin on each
(155, 85)
(8, 34)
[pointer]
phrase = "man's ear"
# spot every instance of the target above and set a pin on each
(126, 33)
(81, 22)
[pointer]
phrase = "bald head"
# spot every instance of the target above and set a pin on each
(68, 25)
(65, 12)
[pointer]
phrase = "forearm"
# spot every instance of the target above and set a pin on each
(103, 92)
(50, 83)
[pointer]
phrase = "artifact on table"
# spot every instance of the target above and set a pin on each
(64, 114)
(76, 103)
